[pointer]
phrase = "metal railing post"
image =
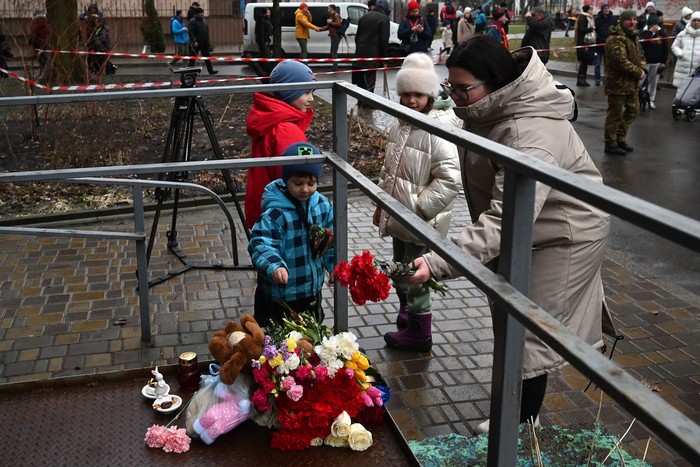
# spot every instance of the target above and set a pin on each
(340, 203)
(142, 264)
(509, 333)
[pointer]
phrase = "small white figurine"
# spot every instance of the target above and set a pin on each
(162, 389)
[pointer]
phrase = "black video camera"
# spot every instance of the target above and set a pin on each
(188, 76)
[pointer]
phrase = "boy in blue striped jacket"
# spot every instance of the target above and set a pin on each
(291, 243)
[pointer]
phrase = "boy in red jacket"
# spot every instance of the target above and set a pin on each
(276, 121)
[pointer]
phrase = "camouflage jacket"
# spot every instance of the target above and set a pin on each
(624, 61)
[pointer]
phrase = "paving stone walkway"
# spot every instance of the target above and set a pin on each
(68, 307)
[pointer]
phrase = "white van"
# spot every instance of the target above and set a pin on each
(319, 45)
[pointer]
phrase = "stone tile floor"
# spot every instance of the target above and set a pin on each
(68, 307)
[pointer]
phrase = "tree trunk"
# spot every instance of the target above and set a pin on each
(63, 23)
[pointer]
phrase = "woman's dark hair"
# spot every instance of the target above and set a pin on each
(486, 59)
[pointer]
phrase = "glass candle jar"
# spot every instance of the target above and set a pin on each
(188, 373)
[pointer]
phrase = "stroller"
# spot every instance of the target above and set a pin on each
(687, 97)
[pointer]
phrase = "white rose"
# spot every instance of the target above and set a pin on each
(336, 442)
(360, 438)
(317, 442)
(341, 425)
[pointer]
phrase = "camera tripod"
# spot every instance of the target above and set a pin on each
(178, 147)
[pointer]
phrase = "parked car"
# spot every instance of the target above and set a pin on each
(319, 44)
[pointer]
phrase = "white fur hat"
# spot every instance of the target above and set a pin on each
(650, 4)
(695, 15)
(417, 74)
(686, 11)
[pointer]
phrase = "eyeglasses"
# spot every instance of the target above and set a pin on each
(461, 92)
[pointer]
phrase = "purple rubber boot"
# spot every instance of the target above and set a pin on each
(402, 318)
(417, 336)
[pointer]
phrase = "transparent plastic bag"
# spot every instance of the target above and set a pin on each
(218, 408)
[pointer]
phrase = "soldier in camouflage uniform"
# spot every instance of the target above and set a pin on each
(624, 69)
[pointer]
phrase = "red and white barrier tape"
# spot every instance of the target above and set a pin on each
(113, 86)
(24, 80)
(274, 60)
(224, 59)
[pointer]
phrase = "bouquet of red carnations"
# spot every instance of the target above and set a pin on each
(367, 278)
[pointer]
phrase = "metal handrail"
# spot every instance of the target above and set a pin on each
(522, 171)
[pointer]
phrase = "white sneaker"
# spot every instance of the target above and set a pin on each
(483, 427)
(652, 106)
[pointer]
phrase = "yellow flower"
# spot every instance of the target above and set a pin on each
(360, 360)
(262, 359)
(277, 361)
(351, 365)
(359, 374)
(291, 344)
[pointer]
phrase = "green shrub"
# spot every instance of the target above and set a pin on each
(152, 31)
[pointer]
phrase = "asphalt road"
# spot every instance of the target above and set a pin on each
(663, 169)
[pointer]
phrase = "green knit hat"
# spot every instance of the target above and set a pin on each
(627, 14)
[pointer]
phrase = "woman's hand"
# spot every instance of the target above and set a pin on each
(280, 276)
(422, 274)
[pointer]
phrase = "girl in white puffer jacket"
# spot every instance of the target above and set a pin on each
(686, 47)
(421, 171)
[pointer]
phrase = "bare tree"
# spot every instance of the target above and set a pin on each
(65, 33)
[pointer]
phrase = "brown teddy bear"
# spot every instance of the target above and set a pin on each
(235, 346)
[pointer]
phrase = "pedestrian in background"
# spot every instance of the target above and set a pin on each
(649, 9)
(432, 23)
(290, 266)
(539, 32)
(39, 37)
(496, 29)
(481, 21)
(414, 32)
(263, 33)
(683, 22)
(276, 120)
(5, 52)
(686, 48)
(506, 24)
(465, 26)
(192, 10)
(371, 40)
(199, 36)
(655, 47)
(334, 21)
(446, 31)
(421, 171)
(303, 24)
(603, 21)
(180, 36)
(585, 40)
(569, 13)
(625, 68)
(98, 40)
(490, 86)
(448, 12)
